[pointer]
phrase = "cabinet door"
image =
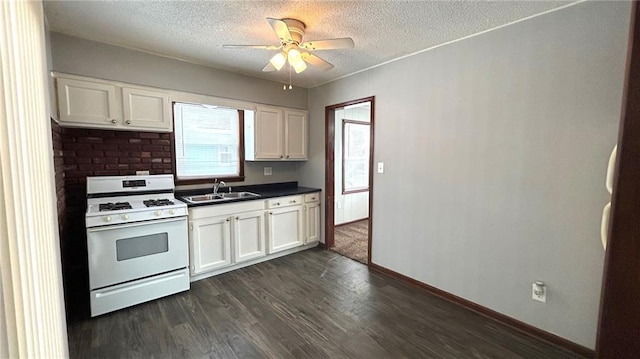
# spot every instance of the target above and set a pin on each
(87, 103)
(269, 131)
(285, 228)
(295, 128)
(146, 110)
(312, 223)
(248, 236)
(210, 244)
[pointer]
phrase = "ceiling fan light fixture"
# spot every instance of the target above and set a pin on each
(299, 66)
(278, 60)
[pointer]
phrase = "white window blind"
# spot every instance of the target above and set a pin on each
(207, 141)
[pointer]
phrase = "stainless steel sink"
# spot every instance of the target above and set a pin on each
(220, 197)
(238, 194)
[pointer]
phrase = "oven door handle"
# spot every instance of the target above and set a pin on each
(135, 224)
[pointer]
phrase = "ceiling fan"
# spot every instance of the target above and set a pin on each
(293, 50)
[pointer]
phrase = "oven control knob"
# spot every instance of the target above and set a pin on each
(172, 211)
(106, 218)
(157, 213)
(124, 216)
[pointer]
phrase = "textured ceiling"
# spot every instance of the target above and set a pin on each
(195, 31)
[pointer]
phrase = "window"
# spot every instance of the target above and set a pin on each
(208, 142)
(355, 156)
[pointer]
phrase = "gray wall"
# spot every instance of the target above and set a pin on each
(93, 59)
(495, 151)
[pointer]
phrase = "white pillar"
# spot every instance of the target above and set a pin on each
(32, 317)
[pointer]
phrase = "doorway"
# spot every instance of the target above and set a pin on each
(349, 129)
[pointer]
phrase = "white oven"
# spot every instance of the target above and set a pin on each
(123, 252)
(137, 243)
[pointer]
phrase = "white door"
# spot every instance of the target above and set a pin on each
(90, 103)
(295, 128)
(248, 236)
(210, 244)
(269, 131)
(285, 228)
(313, 222)
(144, 109)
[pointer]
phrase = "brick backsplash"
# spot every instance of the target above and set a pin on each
(58, 167)
(110, 153)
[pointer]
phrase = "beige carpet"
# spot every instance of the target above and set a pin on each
(351, 240)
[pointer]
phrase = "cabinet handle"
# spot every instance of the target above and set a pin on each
(237, 218)
(287, 156)
(277, 203)
(280, 156)
(271, 213)
(294, 201)
(128, 122)
(227, 219)
(113, 120)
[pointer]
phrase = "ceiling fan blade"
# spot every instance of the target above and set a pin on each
(264, 47)
(342, 43)
(316, 61)
(281, 29)
(269, 68)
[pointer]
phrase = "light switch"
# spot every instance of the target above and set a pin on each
(380, 167)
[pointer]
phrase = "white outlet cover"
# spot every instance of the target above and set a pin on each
(540, 298)
(380, 167)
(267, 171)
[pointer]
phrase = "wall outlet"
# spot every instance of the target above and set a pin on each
(539, 292)
(380, 167)
(267, 171)
(142, 173)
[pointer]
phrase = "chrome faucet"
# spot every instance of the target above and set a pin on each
(216, 185)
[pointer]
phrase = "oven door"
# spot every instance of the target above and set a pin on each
(125, 252)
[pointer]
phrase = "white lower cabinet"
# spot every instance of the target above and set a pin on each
(210, 245)
(230, 235)
(312, 218)
(285, 223)
(248, 236)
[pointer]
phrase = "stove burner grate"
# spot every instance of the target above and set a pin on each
(114, 206)
(157, 202)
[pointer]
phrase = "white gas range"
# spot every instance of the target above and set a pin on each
(137, 241)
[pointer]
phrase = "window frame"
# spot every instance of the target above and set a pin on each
(239, 178)
(344, 151)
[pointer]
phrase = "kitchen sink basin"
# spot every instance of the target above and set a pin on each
(238, 194)
(220, 197)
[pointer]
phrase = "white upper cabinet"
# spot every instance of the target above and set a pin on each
(92, 103)
(295, 134)
(269, 133)
(276, 134)
(146, 109)
(86, 102)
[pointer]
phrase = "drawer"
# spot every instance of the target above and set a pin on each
(312, 197)
(284, 201)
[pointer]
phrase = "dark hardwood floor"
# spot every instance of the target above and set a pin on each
(313, 304)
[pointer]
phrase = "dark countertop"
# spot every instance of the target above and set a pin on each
(264, 190)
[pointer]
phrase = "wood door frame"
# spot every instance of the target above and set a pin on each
(329, 177)
(619, 320)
